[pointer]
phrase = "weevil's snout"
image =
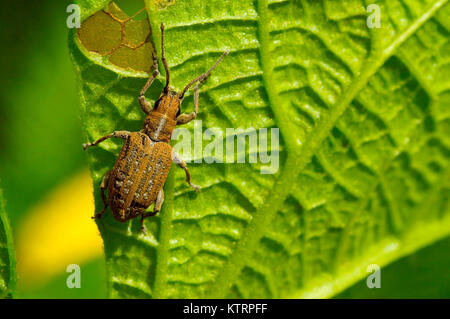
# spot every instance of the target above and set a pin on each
(168, 105)
(161, 121)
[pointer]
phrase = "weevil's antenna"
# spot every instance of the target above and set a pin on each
(204, 76)
(163, 58)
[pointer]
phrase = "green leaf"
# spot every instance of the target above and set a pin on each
(8, 274)
(364, 156)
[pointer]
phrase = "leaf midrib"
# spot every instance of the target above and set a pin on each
(255, 230)
(279, 117)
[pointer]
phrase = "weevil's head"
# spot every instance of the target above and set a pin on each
(161, 121)
(168, 104)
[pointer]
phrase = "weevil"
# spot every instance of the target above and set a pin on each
(137, 178)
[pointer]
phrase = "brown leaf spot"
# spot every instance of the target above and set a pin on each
(112, 33)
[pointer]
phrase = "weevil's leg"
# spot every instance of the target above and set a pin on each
(146, 106)
(163, 58)
(158, 204)
(179, 161)
(119, 134)
(186, 118)
(202, 77)
(103, 187)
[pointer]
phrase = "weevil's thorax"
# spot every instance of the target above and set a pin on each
(161, 121)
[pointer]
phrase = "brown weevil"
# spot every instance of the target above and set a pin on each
(137, 178)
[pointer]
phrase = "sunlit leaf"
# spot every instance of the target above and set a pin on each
(364, 156)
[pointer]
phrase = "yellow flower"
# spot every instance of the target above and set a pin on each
(58, 232)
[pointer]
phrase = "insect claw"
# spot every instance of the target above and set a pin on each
(85, 146)
(97, 215)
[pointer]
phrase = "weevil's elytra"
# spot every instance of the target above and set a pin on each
(136, 181)
(138, 175)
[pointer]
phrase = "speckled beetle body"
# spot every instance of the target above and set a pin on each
(137, 178)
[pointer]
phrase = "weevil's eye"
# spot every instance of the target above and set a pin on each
(178, 112)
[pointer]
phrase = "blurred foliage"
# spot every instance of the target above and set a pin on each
(40, 133)
(92, 284)
(66, 237)
(40, 124)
